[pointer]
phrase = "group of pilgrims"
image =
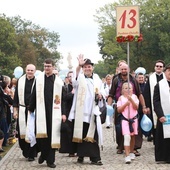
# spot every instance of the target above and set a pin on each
(55, 115)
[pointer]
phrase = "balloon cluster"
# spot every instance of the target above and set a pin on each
(140, 70)
(18, 71)
(129, 38)
(146, 123)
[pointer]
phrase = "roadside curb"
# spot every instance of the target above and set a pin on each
(8, 153)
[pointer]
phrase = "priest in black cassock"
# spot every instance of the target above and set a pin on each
(161, 102)
(46, 102)
(153, 79)
(21, 103)
(84, 111)
(67, 146)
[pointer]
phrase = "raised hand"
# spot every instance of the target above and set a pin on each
(81, 60)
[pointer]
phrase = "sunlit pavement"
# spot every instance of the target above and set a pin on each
(111, 161)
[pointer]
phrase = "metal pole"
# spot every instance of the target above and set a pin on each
(128, 75)
(128, 60)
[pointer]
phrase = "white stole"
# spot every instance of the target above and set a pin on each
(56, 110)
(77, 110)
(79, 106)
(153, 82)
(165, 102)
(22, 107)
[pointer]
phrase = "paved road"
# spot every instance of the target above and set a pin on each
(15, 161)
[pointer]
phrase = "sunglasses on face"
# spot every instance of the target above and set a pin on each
(158, 66)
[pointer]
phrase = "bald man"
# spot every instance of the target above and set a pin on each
(21, 101)
(115, 93)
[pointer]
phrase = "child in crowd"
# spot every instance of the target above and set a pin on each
(106, 88)
(128, 105)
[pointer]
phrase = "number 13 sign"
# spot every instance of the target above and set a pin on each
(127, 19)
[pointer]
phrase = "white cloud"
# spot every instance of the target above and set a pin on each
(73, 20)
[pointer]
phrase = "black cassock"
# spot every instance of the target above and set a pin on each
(44, 144)
(162, 146)
(27, 151)
(67, 146)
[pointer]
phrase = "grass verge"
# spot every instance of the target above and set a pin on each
(6, 149)
(11, 142)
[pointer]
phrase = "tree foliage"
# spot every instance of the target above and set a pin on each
(154, 25)
(36, 43)
(22, 43)
(103, 69)
(8, 48)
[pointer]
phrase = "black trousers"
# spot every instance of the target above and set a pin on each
(89, 149)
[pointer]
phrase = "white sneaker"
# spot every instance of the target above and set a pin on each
(127, 160)
(132, 156)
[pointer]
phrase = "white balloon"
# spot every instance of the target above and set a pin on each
(140, 70)
(37, 72)
(18, 71)
(62, 76)
(146, 123)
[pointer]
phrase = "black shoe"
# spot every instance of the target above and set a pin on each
(31, 159)
(119, 151)
(72, 155)
(80, 160)
(136, 152)
(40, 160)
(1, 150)
(51, 165)
(150, 139)
(97, 163)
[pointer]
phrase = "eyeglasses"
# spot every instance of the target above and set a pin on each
(47, 66)
(158, 66)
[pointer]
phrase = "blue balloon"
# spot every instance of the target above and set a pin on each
(62, 76)
(146, 123)
(110, 110)
(18, 71)
(37, 72)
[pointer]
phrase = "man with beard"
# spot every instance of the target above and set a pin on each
(115, 93)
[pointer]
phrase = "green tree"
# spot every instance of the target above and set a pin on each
(35, 43)
(154, 25)
(8, 48)
(102, 69)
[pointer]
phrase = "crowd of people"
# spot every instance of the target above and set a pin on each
(7, 121)
(49, 114)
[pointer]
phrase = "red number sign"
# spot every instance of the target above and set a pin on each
(127, 20)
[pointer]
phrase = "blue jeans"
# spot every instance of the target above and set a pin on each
(4, 128)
